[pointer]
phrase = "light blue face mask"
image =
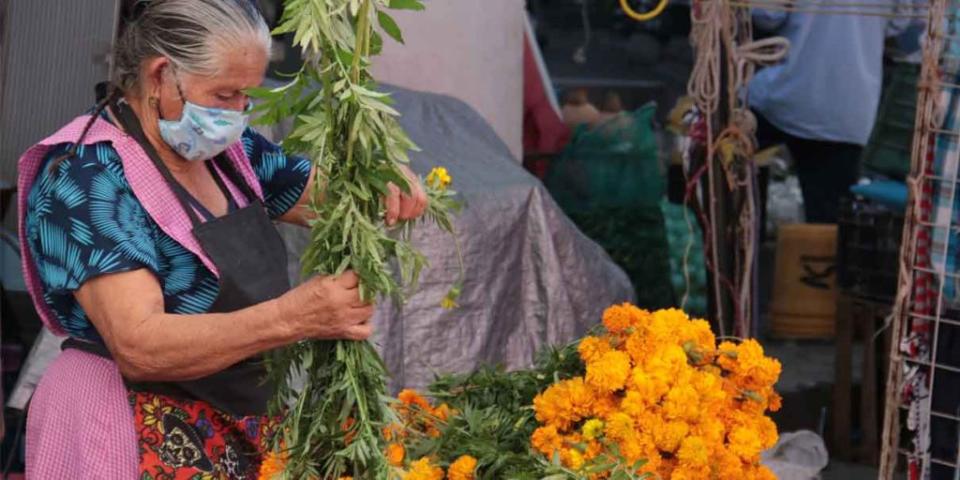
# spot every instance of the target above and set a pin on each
(202, 133)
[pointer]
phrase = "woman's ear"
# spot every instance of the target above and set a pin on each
(151, 75)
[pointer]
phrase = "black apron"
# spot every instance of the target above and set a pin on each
(251, 258)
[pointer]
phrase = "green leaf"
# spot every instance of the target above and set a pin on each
(389, 25)
(376, 44)
(406, 5)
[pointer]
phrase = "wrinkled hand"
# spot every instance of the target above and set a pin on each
(400, 205)
(328, 308)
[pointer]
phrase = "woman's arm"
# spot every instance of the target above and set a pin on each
(150, 345)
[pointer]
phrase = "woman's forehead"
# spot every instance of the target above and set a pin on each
(239, 67)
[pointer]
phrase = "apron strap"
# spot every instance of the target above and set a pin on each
(218, 179)
(131, 124)
(230, 170)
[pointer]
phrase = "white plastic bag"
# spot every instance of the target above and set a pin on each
(799, 455)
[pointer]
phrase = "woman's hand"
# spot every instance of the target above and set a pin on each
(400, 205)
(328, 307)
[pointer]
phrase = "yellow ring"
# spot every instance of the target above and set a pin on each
(643, 17)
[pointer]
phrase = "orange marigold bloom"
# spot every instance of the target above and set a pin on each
(423, 470)
(619, 426)
(546, 440)
(609, 373)
(668, 437)
(618, 318)
(395, 453)
(464, 468)
(693, 452)
(746, 444)
(411, 397)
(592, 348)
(273, 464)
(442, 412)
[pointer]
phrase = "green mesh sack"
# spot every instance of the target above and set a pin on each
(615, 164)
(636, 240)
(680, 235)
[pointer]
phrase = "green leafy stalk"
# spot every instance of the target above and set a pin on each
(330, 427)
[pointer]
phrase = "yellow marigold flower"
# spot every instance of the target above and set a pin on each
(442, 412)
(572, 458)
(686, 472)
(592, 348)
(618, 318)
(619, 426)
(610, 372)
(564, 403)
(764, 473)
(594, 448)
(682, 402)
(751, 362)
(604, 404)
(592, 428)
(650, 385)
(637, 347)
(546, 440)
(634, 404)
(423, 470)
(767, 431)
(634, 448)
(775, 402)
(693, 452)
(395, 454)
(728, 465)
(669, 437)
(273, 464)
(439, 178)
(704, 342)
(746, 444)
(464, 468)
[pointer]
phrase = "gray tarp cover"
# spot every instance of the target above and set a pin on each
(532, 279)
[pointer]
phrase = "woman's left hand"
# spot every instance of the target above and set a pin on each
(403, 206)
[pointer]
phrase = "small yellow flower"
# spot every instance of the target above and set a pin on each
(592, 428)
(439, 178)
(448, 303)
(572, 458)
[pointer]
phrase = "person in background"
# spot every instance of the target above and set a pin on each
(611, 108)
(821, 101)
(577, 109)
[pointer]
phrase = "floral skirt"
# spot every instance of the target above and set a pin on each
(181, 439)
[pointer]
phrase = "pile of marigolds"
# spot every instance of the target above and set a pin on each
(660, 394)
(658, 398)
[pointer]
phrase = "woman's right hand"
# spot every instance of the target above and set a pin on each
(328, 308)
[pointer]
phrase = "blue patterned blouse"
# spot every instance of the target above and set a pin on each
(84, 221)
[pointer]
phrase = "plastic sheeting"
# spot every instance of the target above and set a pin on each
(532, 278)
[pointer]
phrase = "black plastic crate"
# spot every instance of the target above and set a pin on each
(868, 249)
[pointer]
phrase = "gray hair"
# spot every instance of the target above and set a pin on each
(189, 33)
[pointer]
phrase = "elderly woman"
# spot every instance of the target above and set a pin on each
(150, 243)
